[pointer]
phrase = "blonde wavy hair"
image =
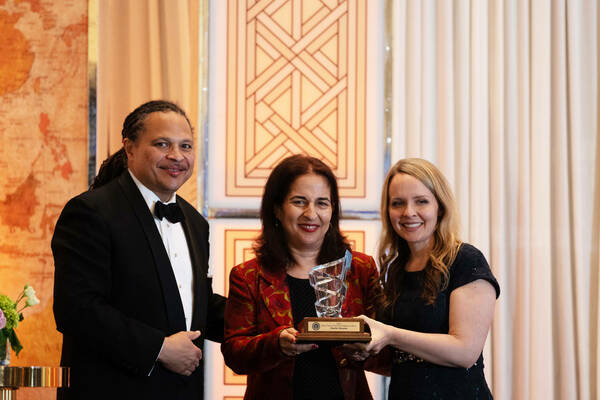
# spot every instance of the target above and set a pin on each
(393, 251)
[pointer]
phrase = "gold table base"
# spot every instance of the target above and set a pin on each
(12, 378)
(8, 394)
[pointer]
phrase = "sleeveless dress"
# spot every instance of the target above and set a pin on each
(414, 378)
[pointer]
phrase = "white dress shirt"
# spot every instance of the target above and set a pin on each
(173, 238)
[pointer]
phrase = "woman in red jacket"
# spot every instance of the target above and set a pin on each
(271, 294)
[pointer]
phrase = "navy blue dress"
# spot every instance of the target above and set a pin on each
(414, 379)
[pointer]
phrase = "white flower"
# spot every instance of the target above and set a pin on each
(29, 291)
(32, 300)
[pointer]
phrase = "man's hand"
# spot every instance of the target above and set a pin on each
(179, 354)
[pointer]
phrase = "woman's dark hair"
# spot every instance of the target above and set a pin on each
(271, 247)
(115, 164)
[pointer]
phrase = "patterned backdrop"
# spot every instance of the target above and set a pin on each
(295, 84)
(292, 78)
(231, 244)
(287, 77)
(43, 157)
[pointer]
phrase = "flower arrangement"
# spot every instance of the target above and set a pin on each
(10, 316)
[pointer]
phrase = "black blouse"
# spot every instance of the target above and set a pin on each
(315, 372)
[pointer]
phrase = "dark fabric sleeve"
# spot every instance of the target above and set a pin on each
(216, 313)
(82, 288)
(216, 308)
(197, 234)
(469, 266)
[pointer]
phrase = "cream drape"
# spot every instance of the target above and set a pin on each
(147, 49)
(503, 96)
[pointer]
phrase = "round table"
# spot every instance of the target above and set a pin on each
(13, 378)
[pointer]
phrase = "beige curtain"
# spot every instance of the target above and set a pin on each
(147, 49)
(503, 96)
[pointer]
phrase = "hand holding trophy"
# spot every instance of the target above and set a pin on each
(329, 283)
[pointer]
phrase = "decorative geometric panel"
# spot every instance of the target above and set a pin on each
(295, 76)
(296, 84)
(356, 240)
(231, 378)
(239, 242)
(231, 244)
(238, 249)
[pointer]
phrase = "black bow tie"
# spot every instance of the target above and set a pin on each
(171, 211)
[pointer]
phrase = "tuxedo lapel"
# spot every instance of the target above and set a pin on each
(170, 292)
(276, 296)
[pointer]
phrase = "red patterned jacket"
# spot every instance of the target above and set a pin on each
(258, 308)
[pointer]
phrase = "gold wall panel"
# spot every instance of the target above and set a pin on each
(296, 83)
(238, 248)
(231, 378)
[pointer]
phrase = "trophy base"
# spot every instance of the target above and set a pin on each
(340, 330)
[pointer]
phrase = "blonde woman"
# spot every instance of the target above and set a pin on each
(439, 292)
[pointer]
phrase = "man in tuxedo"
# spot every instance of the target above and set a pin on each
(131, 292)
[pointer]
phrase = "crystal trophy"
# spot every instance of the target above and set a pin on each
(329, 283)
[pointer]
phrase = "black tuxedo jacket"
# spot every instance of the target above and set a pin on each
(116, 297)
